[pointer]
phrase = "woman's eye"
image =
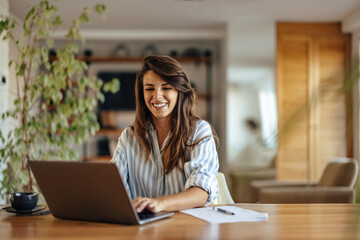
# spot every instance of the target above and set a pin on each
(167, 88)
(149, 89)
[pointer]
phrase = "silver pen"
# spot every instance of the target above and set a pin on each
(223, 211)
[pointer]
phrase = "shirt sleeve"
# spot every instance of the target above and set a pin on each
(120, 160)
(203, 166)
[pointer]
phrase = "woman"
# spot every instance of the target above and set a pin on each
(168, 158)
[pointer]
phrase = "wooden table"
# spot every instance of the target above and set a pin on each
(292, 221)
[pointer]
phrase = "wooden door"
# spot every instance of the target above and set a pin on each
(293, 72)
(330, 111)
(312, 115)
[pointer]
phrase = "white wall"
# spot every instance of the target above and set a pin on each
(242, 103)
(4, 70)
(251, 69)
(8, 51)
(4, 73)
(351, 24)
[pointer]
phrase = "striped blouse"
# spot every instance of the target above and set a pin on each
(145, 178)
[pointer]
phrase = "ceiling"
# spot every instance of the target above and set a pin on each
(198, 14)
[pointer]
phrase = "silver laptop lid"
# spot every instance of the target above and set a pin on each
(92, 191)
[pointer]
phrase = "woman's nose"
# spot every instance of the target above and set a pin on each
(158, 93)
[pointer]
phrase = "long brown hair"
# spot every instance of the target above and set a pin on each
(183, 118)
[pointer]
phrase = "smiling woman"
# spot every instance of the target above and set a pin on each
(168, 158)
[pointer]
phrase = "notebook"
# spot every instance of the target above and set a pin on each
(91, 191)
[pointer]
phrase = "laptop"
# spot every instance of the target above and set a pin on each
(91, 191)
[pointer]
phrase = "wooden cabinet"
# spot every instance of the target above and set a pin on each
(313, 117)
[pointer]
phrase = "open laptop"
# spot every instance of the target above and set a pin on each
(92, 191)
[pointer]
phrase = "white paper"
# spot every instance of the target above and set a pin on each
(241, 215)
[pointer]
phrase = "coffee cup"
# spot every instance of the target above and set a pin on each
(23, 200)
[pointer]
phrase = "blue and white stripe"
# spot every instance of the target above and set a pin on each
(145, 178)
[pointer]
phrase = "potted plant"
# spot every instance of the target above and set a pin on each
(54, 106)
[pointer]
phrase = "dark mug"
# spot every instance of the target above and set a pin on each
(23, 200)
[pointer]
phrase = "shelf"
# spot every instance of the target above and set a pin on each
(139, 59)
(205, 96)
(97, 158)
(107, 59)
(110, 132)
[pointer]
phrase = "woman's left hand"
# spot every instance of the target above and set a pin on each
(152, 204)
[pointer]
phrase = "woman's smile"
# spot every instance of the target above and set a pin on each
(159, 105)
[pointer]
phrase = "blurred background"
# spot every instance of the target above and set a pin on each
(229, 50)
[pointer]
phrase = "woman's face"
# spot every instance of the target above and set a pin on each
(160, 97)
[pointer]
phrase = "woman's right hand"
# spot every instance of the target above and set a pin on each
(152, 204)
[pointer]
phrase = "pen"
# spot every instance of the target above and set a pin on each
(223, 211)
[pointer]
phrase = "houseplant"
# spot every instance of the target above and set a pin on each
(54, 107)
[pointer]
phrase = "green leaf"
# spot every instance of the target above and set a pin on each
(29, 14)
(26, 21)
(13, 24)
(113, 86)
(84, 17)
(21, 70)
(6, 36)
(100, 9)
(4, 25)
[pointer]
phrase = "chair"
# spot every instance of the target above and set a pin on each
(241, 178)
(224, 196)
(336, 185)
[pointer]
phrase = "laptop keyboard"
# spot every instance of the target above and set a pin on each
(145, 214)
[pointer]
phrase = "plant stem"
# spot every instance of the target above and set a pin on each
(24, 109)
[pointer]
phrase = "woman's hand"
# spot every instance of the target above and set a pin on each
(192, 197)
(152, 204)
